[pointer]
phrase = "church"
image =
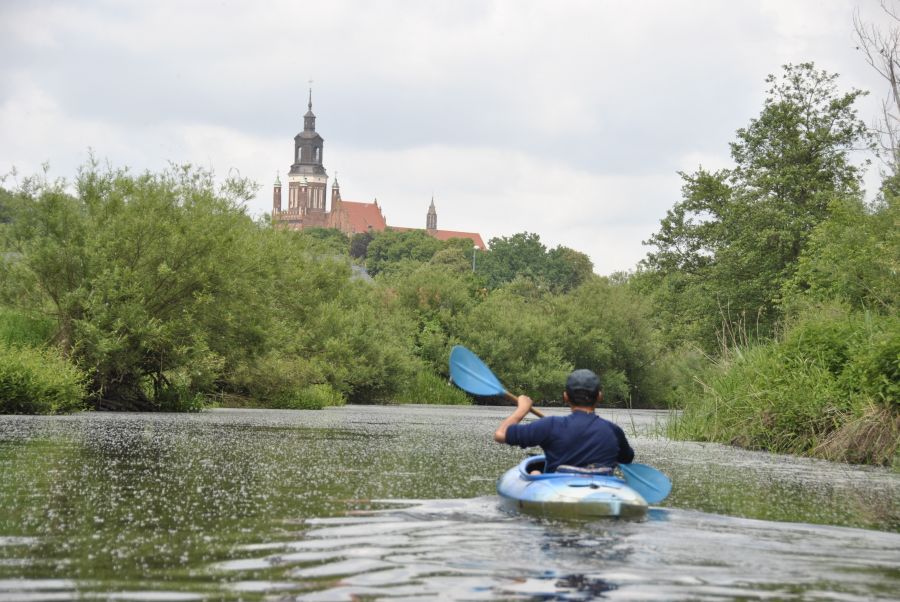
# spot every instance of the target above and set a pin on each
(306, 195)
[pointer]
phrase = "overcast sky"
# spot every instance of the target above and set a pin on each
(569, 119)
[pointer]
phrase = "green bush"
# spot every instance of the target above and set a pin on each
(604, 325)
(678, 370)
(428, 387)
(39, 381)
(809, 393)
(860, 349)
(274, 378)
(286, 382)
(514, 330)
(310, 397)
(874, 368)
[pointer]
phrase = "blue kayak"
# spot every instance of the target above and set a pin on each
(567, 495)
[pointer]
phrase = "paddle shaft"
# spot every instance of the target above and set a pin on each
(512, 397)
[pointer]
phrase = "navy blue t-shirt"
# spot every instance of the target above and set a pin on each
(577, 439)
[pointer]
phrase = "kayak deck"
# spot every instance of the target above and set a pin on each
(567, 495)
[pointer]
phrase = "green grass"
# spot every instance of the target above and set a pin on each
(310, 397)
(827, 388)
(428, 387)
(20, 329)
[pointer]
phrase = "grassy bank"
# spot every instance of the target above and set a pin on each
(828, 387)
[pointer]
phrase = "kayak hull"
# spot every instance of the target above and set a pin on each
(564, 495)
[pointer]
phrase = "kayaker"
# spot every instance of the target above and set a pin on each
(580, 441)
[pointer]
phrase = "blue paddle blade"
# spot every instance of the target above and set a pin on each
(470, 374)
(653, 485)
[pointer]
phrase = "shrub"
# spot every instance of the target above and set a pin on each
(39, 381)
(874, 368)
(828, 388)
(761, 400)
(516, 336)
(310, 397)
(427, 387)
(275, 378)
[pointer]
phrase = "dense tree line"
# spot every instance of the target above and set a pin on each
(163, 290)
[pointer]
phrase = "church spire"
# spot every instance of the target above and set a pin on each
(309, 120)
(431, 218)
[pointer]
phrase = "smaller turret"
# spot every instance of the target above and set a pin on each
(335, 193)
(276, 195)
(431, 218)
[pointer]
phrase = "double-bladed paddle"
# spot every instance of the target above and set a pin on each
(653, 485)
(470, 374)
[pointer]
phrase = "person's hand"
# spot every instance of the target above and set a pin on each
(525, 403)
(523, 406)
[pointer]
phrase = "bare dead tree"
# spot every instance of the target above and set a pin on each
(881, 48)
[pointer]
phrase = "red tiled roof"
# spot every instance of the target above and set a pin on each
(447, 235)
(362, 216)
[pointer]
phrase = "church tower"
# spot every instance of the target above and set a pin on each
(276, 196)
(307, 178)
(431, 218)
(335, 194)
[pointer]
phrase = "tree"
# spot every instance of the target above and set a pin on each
(523, 255)
(853, 257)
(737, 234)
(515, 335)
(392, 246)
(567, 269)
(605, 326)
(149, 278)
(5, 206)
(882, 51)
(453, 259)
(519, 255)
(359, 244)
(329, 239)
(437, 294)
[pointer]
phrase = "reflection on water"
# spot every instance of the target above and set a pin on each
(376, 502)
(466, 549)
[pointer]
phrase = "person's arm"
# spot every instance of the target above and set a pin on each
(522, 409)
(626, 454)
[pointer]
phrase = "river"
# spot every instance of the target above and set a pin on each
(377, 502)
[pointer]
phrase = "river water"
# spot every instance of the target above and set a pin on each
(398, 502)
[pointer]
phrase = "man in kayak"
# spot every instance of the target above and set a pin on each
(580, 441)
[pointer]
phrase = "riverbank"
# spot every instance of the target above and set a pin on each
(827, 387)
